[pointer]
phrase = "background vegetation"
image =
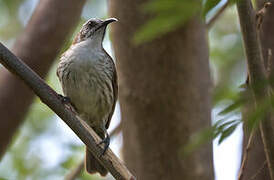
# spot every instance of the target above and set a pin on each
(45, 148)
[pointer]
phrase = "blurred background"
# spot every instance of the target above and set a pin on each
(45, 148)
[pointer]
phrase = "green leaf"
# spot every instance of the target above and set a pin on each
(208, 134)
(227, 132)
(167, 15)
(157, 27)
(260, 113)
(13, 6)
(69, 162)
(209, 5)
(232, 107)
(199, 139)
(223, 126)
(224, 93)
(231, 2)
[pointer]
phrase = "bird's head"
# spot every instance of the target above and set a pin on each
(93, 29)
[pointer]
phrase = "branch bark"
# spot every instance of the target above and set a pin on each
(257, 75)
(245, 156)
(51, 98)
(76, 171)
(39, 44)
(256, 168)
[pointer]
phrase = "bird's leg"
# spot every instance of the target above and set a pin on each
(105, 141)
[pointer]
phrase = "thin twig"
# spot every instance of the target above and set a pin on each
(217, 15)
(245, 156)
(259, 170)
(75, 172)
(47, 95)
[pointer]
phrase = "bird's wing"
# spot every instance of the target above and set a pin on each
(115, 93)
(59, 67)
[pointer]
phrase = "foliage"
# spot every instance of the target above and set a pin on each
(209, 5)
(221, 128)
(9, 12)
(230, 95)
(167, 15)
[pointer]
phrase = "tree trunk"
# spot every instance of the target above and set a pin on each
(256, 166)
(164, 95)
(38, 46)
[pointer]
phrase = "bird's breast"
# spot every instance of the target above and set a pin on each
(86, 80)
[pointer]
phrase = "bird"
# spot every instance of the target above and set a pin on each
(88, 77)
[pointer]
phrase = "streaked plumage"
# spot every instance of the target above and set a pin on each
(88, 77)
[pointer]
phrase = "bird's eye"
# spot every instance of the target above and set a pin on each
(91, 23)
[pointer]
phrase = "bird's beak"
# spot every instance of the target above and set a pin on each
(106, 22)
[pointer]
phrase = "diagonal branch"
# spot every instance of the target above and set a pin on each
(258, 171)
(52, 100)
(76, 171)
(257, 75)
(245, 156)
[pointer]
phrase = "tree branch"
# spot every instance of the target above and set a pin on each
(245, 156)
(258, 171)
(76, 171)
(257, 74)
(52, 100)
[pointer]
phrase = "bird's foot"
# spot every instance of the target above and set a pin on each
(106, 142)
(66, 101)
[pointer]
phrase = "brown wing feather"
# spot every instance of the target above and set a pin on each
(115, 93)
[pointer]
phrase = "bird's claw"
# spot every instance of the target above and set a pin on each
(105, 141)
(66, 101)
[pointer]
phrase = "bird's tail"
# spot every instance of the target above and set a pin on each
(94, 166)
